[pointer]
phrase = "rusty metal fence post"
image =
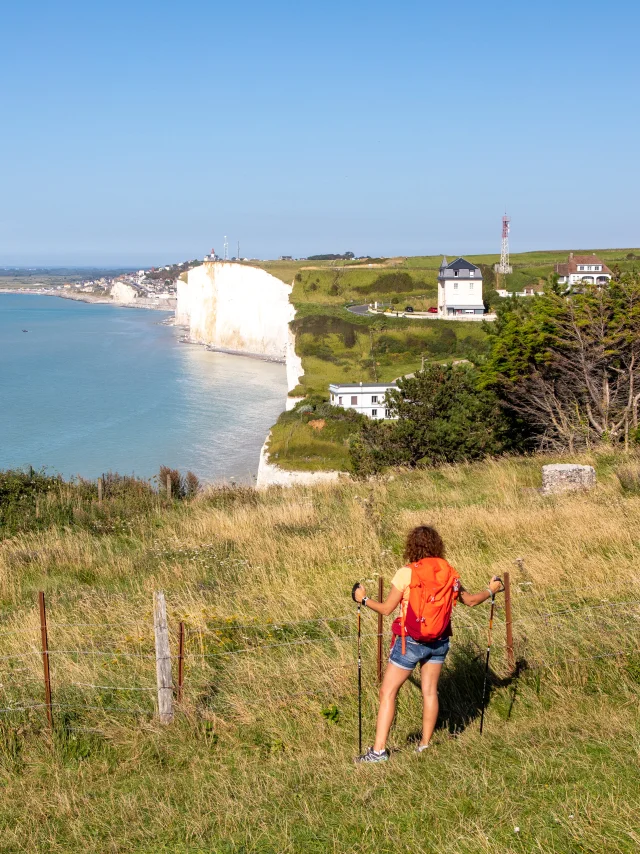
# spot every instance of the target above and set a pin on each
(180, 661)
(45, 657)
(511, 660)
(380, 628)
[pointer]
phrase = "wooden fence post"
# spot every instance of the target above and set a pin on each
(180, 661)
(99, 490)
(380, 628)
(45, 657)
(169, 487)
(163, 659)
(511, 661)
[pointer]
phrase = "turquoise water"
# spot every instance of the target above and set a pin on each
(96, 388)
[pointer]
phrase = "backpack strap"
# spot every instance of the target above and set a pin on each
(403, 633)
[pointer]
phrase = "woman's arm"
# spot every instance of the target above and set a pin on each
(473, 599)
(385, 608)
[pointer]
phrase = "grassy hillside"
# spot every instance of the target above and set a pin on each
(259, 757)
(338, 346)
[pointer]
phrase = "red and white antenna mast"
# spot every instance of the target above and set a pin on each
(504, 267)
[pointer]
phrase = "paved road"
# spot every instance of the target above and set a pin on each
(358, 309)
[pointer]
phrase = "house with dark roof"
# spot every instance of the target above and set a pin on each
(459, 288)
(583, 268)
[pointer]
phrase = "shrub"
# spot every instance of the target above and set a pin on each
(442, 417)
(629, 478)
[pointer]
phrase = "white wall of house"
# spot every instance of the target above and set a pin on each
(366, 399)
(466, 293)
(591, 277)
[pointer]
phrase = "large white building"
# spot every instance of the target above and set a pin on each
(367, 398)
(583, 268)
(459, 288)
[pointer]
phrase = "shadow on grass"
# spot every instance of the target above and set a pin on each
(460, 689)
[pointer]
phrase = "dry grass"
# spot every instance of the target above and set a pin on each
(258, 759)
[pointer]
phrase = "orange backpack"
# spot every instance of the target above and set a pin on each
(432, 594)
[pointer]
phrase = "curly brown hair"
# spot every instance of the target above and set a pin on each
(423, 541)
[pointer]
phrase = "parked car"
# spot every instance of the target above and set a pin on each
(432, 310)
(408, 308)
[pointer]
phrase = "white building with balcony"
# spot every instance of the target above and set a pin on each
(583, 268)
(366, 398)
(459, 288)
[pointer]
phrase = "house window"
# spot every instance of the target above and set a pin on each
(455, 272)
(581, 267)
(455, 286)
(354, 400)
(374, 398)
(374, 413)
(340, 400)
(470, 286)
(387, 413)
(333, 398)
(471, 273)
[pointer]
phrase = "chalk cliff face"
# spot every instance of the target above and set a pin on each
(236, 308)
(123, 293)
(240, 309)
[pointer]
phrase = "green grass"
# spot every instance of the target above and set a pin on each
(297, 445)
(336, 346)
(259, 757)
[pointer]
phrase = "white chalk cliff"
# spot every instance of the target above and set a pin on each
(123, 293)
(236, 308)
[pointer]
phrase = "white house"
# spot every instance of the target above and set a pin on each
(583, 268)
(459, 288)
(367, 398)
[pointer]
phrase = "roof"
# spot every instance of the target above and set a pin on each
(361, 386)
(448, 270)
(461, 264)
(571, 265)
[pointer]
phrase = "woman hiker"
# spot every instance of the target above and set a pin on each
(427, 586)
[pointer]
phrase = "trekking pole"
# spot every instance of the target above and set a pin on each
(486, 663)
(353, 595)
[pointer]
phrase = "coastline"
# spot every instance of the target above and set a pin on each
(149, 304)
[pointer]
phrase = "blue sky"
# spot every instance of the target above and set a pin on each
(138, 133)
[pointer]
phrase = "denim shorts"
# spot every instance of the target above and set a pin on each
(418, 652)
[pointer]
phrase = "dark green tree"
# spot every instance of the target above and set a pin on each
(442, 416)
(569, 365)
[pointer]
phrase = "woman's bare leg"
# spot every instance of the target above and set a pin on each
(429, 674)
(394, 678)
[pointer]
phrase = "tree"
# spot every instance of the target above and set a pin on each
(442, 416)
(570, 365)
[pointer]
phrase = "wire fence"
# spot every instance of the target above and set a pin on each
(67, 685)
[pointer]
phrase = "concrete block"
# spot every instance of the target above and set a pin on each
(567, 477)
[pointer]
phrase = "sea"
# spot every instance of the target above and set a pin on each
(87, 389)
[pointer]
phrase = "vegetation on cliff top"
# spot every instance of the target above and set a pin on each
(333, 352)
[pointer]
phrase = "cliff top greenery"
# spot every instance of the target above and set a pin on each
(338, 346)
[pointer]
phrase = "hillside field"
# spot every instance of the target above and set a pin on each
(338, 346)
(259, 757)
